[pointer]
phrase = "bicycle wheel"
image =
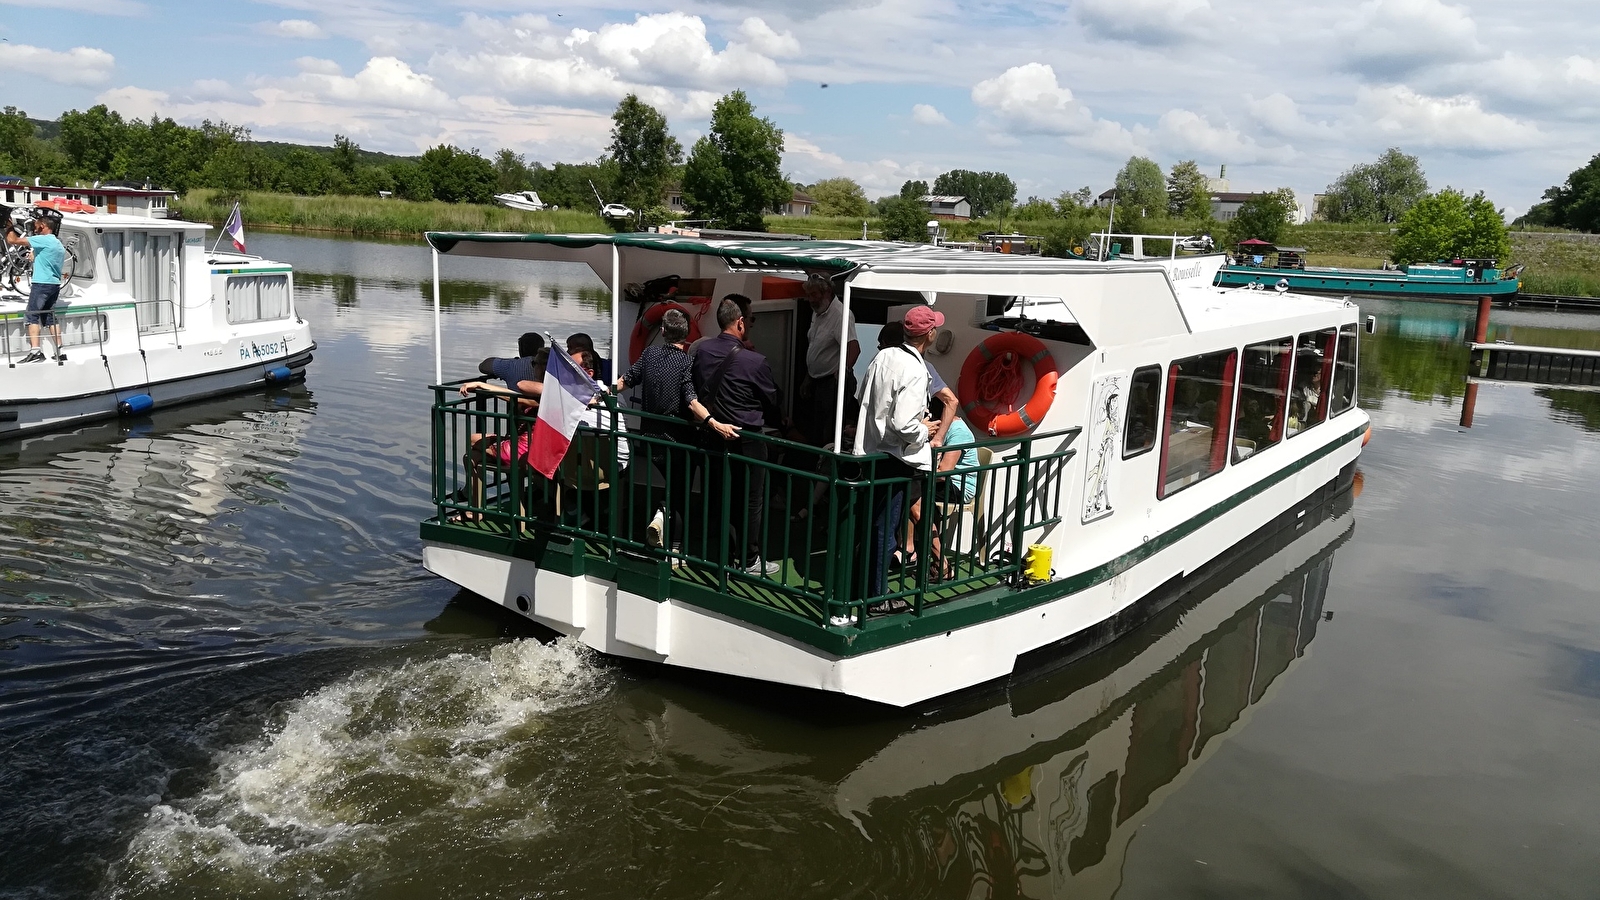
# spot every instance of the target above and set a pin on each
(68, 266)
(11, 271)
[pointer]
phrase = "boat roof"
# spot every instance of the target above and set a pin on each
(119, 220)
(836, 256)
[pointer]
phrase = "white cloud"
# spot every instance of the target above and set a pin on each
(1029, 99)
(923, 114)
(1398, 113)
(317, 66)
(760, 37)
(671, 49)
(300, 29)
(85, 66)
(1155, 22)
(383, 82)
(1279, 115)
(1388, 39)
(1182, 132)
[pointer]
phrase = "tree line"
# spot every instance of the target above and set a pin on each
(1573, 204)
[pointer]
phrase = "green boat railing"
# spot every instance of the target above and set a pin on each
(820, 509)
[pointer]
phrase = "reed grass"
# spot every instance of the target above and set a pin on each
(371, 216)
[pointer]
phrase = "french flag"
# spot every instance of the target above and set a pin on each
(234, 228)
(568, 391)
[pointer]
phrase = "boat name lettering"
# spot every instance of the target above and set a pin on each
(1186, 272)
(193, 242)
(256, 351)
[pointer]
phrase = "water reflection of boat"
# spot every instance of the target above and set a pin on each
(191, 455)
(1040, 796)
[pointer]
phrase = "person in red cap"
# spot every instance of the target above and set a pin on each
(894, 420)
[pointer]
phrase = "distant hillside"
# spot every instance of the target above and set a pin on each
(280, 149)
(47, 130)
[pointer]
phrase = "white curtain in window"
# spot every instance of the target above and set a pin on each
(114, 260)
(257, 298)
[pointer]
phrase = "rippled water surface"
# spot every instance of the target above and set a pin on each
(224, 673)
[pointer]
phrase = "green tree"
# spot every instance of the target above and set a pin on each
(914, 190)
(1573, 204)
(1450, 225)
(567, 184)
(345, 157)
(1036, 209)
(458, 176)
(411, 181)
(644, 151)
(733, 173)
(1262, 217)
(987, 192)
(511, 172)
(22, 152)
(237, 167)
(1379, 191)
(1069, 202)
(904, 219)
(307, 173)
(839, 197)
(1141, 190)
(1188, 191)
(90, 139)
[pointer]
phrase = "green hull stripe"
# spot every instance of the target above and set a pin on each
(1354, 284)
(268, 271)
(649, 578)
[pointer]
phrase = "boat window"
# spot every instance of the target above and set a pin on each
(1313, 366)
(81, 245)
(1263, 387)
(257, 298)
(115, 264)
(1144, 406)
(1344, 371)
(1199, 411)
(155, 270)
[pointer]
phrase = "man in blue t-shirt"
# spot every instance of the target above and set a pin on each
(48, 257)
(519, 368)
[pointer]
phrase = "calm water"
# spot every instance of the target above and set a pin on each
(224, 673)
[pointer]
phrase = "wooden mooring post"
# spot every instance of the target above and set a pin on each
(1482, 330)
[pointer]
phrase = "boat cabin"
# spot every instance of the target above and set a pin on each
(1145, 404)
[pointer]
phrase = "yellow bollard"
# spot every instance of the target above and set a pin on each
(1037, 562)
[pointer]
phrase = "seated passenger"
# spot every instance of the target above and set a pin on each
(957, 483)
(518, 368)
(484, 450)
(580, 342)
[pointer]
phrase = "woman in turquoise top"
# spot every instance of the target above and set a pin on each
(957, 483)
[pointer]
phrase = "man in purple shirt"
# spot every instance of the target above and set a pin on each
(736, 384)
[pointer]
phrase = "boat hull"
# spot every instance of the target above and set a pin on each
(1373, 283)
(679, 633)
(22, 416)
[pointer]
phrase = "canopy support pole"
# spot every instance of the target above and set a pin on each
(438, 345)
(616, 313)
(844, 366)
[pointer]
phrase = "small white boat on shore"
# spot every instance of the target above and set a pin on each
(149, 318)
(526, 200)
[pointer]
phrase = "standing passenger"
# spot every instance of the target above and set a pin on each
(893, 420)
(48, 257)
(737, 386)
(666, 389)
(820, 387)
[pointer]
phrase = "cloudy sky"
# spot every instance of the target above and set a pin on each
(1056, 94)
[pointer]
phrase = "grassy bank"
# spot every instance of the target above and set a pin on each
(372, 216)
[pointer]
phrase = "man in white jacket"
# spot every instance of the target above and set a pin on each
(894, 420)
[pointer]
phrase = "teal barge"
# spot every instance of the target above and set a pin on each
(1459, 278)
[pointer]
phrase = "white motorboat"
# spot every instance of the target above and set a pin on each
(525, 200)
(1136, 424)
(149, 318)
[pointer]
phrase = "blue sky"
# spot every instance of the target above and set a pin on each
(1058, 95)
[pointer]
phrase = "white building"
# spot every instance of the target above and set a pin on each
(942, 206)
(127, 200)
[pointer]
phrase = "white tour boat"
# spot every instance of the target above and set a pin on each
(149, 318)
(1155, 426)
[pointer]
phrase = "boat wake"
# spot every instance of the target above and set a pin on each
(354, 778)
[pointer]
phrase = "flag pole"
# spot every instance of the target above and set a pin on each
(224, 229)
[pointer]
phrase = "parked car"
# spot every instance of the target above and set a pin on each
(616, 211)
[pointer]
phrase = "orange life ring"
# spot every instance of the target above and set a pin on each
(988, 376)
(650, 320)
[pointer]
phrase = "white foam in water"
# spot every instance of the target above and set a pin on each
(359, 763)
